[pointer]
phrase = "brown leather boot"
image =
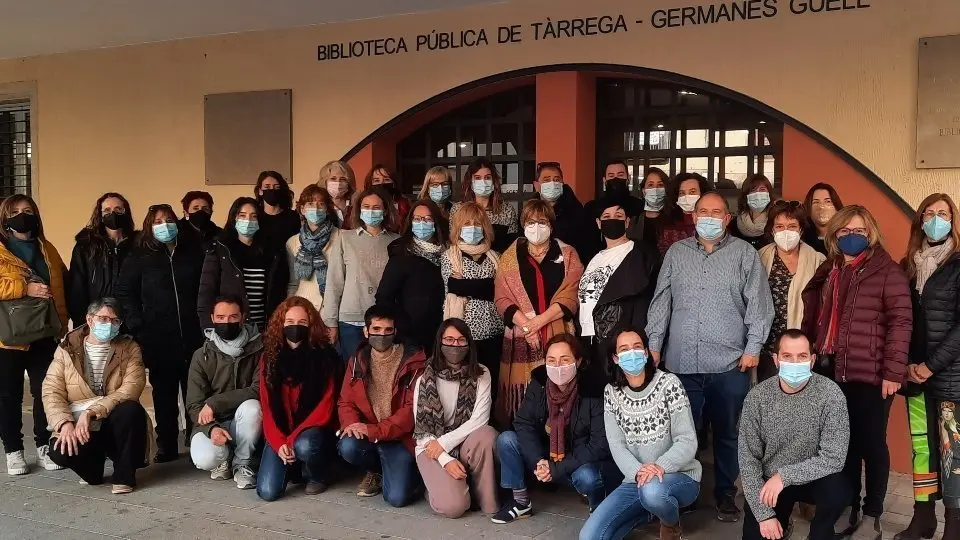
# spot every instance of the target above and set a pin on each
(670, 532)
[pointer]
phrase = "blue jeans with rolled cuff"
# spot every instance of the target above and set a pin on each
(629, 506)
(313, 449)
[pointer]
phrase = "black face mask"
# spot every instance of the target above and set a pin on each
(617, 186)
(613, 228)
(24, 223)
(271, 196)
(229, 331)
(199, 219)
(115, 221)
(391, 188)
(296, 333)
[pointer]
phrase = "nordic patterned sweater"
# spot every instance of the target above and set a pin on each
(654, 425)
(803, 436)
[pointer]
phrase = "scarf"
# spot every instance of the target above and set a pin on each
(429, 414)
(751, 228)
(427, 250)
(308, 368)
(833, 300)
(456, 306)
(383, 371)
(310, 259)
(559, 409)
(233, 348)
(928, 258)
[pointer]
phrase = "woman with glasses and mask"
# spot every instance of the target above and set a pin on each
(750, 223)
(101, 248)
(790, 265)
(308, 253)
(158, 289)
(678, 221)
(482, 186)
(197, 220)
(438, 187)
(858, 308)
(278, 220)
(29, 267)
(412, 283)
(381, 176)
(338, 178)
(822, 202)
(454, 444)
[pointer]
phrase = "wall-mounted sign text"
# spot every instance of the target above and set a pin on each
(938, 103)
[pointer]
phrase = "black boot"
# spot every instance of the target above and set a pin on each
(951, 528)
(855, 521)
(923, 524)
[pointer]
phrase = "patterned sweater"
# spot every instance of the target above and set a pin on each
(654, 425)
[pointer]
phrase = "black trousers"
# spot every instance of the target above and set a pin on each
(168, 377)
(122, 437)
(830, 495)
(869, 414)
(490, 350)
(13, 364)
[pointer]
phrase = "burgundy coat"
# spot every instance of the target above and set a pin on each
(876, 322)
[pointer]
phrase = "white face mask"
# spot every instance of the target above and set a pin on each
(688, 203)
(537, 233)
(334, 187)
(787, 240)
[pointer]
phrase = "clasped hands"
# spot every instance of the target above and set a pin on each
(454, 468)
(529, 327)
(770, 528)
(72, 436)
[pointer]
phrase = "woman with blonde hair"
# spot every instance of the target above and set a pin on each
(438, 187)
(468, 268)
(482, 185)
(536, 294)
(341, 183)
(858, 309)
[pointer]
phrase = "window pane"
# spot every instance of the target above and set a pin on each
(443, 142)
(736, 169)
(698, 165)
(769, 164)
(511, 179)
(737, 138)
(698, 138)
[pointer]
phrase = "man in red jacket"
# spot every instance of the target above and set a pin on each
(376, 411)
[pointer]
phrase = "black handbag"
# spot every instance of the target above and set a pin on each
(28, 319)
(826, 365)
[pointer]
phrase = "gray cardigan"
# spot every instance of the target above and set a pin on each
(356, 263)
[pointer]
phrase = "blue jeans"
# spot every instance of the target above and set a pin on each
(313, 450)
(629, 506)
(350, 338)
(721, 394)
(593, 480)
(401, 479)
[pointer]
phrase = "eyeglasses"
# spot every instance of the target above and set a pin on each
(844, 232)
(459, 342)
(103, 319)
(786, 204)
(928, 215)
(157, 207)
(423, 219)
(118, 211)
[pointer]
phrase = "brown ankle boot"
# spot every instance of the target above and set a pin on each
(670, 532)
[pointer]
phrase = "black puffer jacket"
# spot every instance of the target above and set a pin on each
(586, 440)
(413, 286)
(222, 277)
(575, 226)
(94, 270)
(936, 330)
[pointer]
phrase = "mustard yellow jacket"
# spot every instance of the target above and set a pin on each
(13, 281)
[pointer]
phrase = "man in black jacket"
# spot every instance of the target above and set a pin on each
(574, 224)
(616, 178)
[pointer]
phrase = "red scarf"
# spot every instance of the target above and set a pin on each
(559, 408)
(834, 297)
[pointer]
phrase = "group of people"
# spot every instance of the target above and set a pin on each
(469, 351)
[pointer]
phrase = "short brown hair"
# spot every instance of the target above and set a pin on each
(575, 347)
(315, 193)
(748, 186)
(535, 208)
(788, 209)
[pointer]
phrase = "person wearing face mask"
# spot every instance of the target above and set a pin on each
(376, 411)
(469, 268)
(381, 176)
(617, 181)
(338, 178)
(822, 202)
(438, 187)
(574, 225)
(650, 431)
(412, 284)
(679, 221)
(278, 220)
(308, 253)
(535, 292)
(451, 408)
(222, 396)
(356, 263)
(299, 382)
(790, 265)
(752, 211)
(157, 289)
(481, 186)
(708, 321)
(858, 309)
(558, 433)
(197, 221)
(794, 434)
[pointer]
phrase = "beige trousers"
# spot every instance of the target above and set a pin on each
(451, 498)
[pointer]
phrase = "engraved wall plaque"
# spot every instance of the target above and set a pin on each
(938, 103)
(245, 133)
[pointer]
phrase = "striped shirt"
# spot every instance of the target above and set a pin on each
(255, 285)
(95, 357)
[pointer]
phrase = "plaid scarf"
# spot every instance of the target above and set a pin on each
(310, 258)
(559, 408)
(429, 415)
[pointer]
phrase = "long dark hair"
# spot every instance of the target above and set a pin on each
(673, 191)
(617, 378)
(496, 198)
(389, 212)
(748, 186)
(229, 234)
(146, 239)
(437, 362)
(96, 232)
(286, 201)
(808, 200)
(442, 228)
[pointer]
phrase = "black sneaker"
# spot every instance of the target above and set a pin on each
(166, 457)
(511, 512)
(727, 510)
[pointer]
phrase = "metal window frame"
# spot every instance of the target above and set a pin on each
(16, 95)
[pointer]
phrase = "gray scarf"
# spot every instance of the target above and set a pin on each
(233, 348)
(750, 227)
(928, 258)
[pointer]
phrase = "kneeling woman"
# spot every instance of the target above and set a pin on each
(298, 394)
(91, 396)
(559, 433)
(650, 430)
(452, 408)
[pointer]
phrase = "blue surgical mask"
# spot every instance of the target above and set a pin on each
(937, 228)
(423, 229)
(795, 374)
(371, 217)
(853, 244)
(315, 216)
(551, 191)
(439, 194)
(104, 332)
(654, 197)
(632, 362)
(709, 228)
(471, 234)
(247, 227)
(165, 232)
(758, 200)
(482, 188)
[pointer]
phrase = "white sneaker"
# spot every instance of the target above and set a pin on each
(16, 465)
(43, 459)
(244, 477)
(222, 472)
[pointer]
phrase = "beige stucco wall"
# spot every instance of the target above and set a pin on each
(131, 118)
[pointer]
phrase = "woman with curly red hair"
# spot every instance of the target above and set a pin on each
(298, 395)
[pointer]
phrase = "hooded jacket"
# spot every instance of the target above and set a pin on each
(94, 271)
(221, 381)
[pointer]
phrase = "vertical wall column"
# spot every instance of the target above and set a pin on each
(567, 125)
(382, 151)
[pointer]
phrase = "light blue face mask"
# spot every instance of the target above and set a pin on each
(423, 230)
(165, 232)
(937, 228)
(104, 332)
(371, 217)
(709, 228)
(795, 374)
(758, 200)
(315, 216)
(551, 191)
(482, 188)
(439, 194)
(471, 234)
(632, 362)
(247, 228)
(654, 197)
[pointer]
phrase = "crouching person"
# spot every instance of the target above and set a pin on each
(298, 390)
(91, 396)
(222, 396)
(559, 433)
(376, 411)
(451, 410)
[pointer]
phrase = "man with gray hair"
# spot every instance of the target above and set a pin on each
(709, 318)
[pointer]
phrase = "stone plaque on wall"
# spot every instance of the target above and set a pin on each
(938, 103)
(245, 133)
